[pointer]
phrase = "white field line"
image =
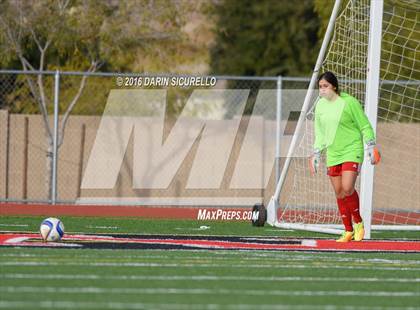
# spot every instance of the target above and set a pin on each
(200, 278)
(14, 225)
(103, 227)
(16, 240)
(138, 306)
(197, 265)
(196, 291)
(19, 255)
(283, 258)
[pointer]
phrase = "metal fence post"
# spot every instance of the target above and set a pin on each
(55, 142)
(278, 126)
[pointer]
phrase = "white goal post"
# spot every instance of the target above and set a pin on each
(371, 107)
(373, 46)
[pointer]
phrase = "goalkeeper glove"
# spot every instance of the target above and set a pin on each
(373, 152)
(314, 161)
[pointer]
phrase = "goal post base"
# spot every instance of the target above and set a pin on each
(396, 227)
(310, 227)
(272, 208)
(338, 229)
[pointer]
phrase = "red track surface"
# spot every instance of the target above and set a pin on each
(407, 218)
(31, 239)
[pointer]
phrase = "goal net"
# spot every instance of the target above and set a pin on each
(309, 200)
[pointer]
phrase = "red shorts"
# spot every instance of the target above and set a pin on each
(335, 171)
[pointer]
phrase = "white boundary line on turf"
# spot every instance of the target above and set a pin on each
(189, 265)
(103, 227)
(226, 255)
(201, 278)
(48, 304)
(254, 257)
(250, 257)
(197, 291)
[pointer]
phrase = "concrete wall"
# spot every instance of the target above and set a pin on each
(397, 178)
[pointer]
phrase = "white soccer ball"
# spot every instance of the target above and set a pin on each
(51, 229)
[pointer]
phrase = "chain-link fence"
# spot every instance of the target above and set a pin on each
(180, 139)
(25, 134)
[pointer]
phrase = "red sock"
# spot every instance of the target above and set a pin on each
(352, 203)
(345, 213)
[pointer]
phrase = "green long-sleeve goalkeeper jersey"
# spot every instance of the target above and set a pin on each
(340, 128)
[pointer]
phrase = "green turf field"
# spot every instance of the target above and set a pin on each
(179, 227)
(33, 278)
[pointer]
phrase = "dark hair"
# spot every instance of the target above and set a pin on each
(330, 78)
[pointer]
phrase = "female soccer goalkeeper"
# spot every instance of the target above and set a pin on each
(341, 127)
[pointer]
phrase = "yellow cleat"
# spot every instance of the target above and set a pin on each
(345, 237)
(359, 231)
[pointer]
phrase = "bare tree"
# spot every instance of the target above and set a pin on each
(43, 34)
